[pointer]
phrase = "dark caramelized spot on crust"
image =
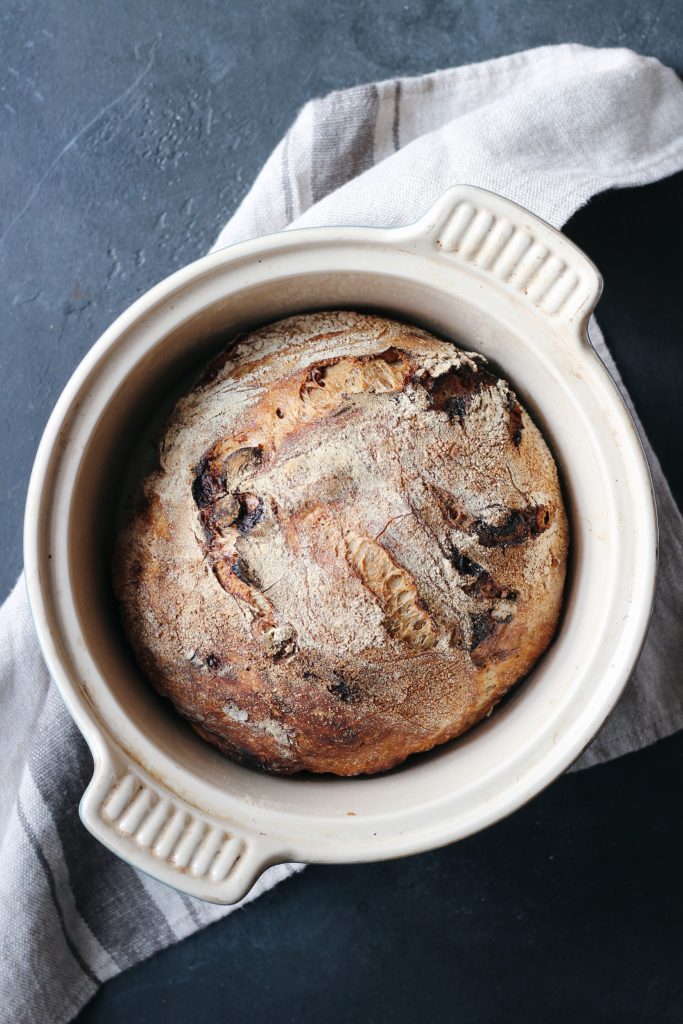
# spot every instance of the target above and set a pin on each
(249, 760)
(501, 528)
(224, 507)
(485, 586)
(515, 526)
(215, 491)
(215, 494)
(516, 424)
(205, 486)
(453, 391)
(483, 583)
(484, 645)
(242, 756)
(250, 512)
(349, 692)
(483, 625)
(464, 565)
(213, 661)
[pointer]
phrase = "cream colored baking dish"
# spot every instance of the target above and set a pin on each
(477, 269)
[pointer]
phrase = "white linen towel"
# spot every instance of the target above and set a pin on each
(548, 128)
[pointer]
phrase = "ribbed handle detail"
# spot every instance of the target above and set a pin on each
(520, 252)
(162, 835)
(182, 840)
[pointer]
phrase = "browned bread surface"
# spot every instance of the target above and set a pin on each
(355, 544)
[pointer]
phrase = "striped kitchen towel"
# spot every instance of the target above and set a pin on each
(548, 128)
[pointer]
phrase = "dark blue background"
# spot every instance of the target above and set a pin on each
(130, 132)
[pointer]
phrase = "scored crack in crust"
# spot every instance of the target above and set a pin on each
(354, 545)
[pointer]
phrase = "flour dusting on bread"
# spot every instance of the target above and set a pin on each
(355, 544)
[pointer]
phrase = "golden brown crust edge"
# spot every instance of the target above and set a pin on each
(354, 546)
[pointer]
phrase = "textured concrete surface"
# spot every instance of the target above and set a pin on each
(130, 132)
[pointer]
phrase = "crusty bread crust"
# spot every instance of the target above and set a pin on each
(354, 546)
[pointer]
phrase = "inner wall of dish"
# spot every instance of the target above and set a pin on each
(123, 443)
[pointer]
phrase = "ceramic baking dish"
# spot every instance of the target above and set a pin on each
(476, 269)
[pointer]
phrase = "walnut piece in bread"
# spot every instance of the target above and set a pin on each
(354, 546)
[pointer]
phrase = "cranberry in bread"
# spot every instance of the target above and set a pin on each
(354, 545)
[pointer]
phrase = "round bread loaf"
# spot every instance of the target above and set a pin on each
(354, 546)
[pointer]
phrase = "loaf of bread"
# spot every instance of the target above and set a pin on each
(354, 545)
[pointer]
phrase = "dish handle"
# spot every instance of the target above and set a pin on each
(519, 252)
(154, 830)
